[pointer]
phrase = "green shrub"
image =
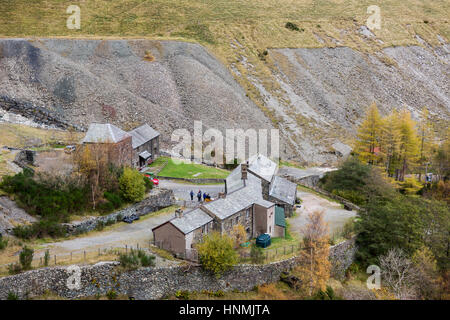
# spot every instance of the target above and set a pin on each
(106, 207)
(328, 294)
(146, 260)
(256, 254)
(216, 253)
(292, 26)
(26, 258)
(3, 242)
(14, 268)
(40, 229)
(114, 199)
(351, 195)
(219, 293)
(182, 294)
(12, 296)
(111, 294)
(135, 259)
(351, 176)
(132, 185)
(51, 198)
(46, 257)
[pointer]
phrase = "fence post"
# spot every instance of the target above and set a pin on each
(84, 255)
(126, 249)
(71, 256)
(98, 251)
(55, 259)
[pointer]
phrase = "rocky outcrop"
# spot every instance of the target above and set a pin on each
(156, 200)
(154, 283)
(11, 215)
(36, 114)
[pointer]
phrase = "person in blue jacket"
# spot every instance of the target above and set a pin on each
(199, 195)
(192, 195)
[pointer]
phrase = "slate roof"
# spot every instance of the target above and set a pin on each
(104, 133)
(234, 181)
(142, 135)
(237, 201)
(191, 220)
(283, 189)
(262, 166)
(145, 155)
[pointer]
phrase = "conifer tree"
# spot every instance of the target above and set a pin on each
(390, 142)
(368, 136)
(409, 144)
(426, 136)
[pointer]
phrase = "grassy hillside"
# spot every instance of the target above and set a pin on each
(255, 23)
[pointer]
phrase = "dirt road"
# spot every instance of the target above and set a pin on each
(335, 214)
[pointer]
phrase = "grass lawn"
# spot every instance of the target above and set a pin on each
(191, 171)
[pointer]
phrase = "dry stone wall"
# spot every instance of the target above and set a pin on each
(153, 283)
(158, 199)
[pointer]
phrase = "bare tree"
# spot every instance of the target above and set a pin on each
(314, 265)
(399, 274)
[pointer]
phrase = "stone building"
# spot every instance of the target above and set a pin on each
(254, 197)
(183, 231)
(262, 171)
(109, 142)
(145, 145)
(135, 148)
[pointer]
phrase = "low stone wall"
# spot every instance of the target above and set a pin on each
(312, 182)
(153, 283)
(347, 204)
(158, 199)
(197, 181)
(341, 257)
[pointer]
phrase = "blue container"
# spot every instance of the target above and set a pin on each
(263, 240)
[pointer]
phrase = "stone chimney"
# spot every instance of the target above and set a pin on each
(244, 167)
(178, 213)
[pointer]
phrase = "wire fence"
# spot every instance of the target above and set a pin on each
(111, 253)
(272, 254)
(76, 257)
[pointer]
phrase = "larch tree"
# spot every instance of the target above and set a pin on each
(409, 144)
(314, 267)
(368, 136)
(390, 141)
(427, 146)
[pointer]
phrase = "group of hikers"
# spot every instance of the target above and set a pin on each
(199, 196)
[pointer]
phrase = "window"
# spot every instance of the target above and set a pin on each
(247, 213)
